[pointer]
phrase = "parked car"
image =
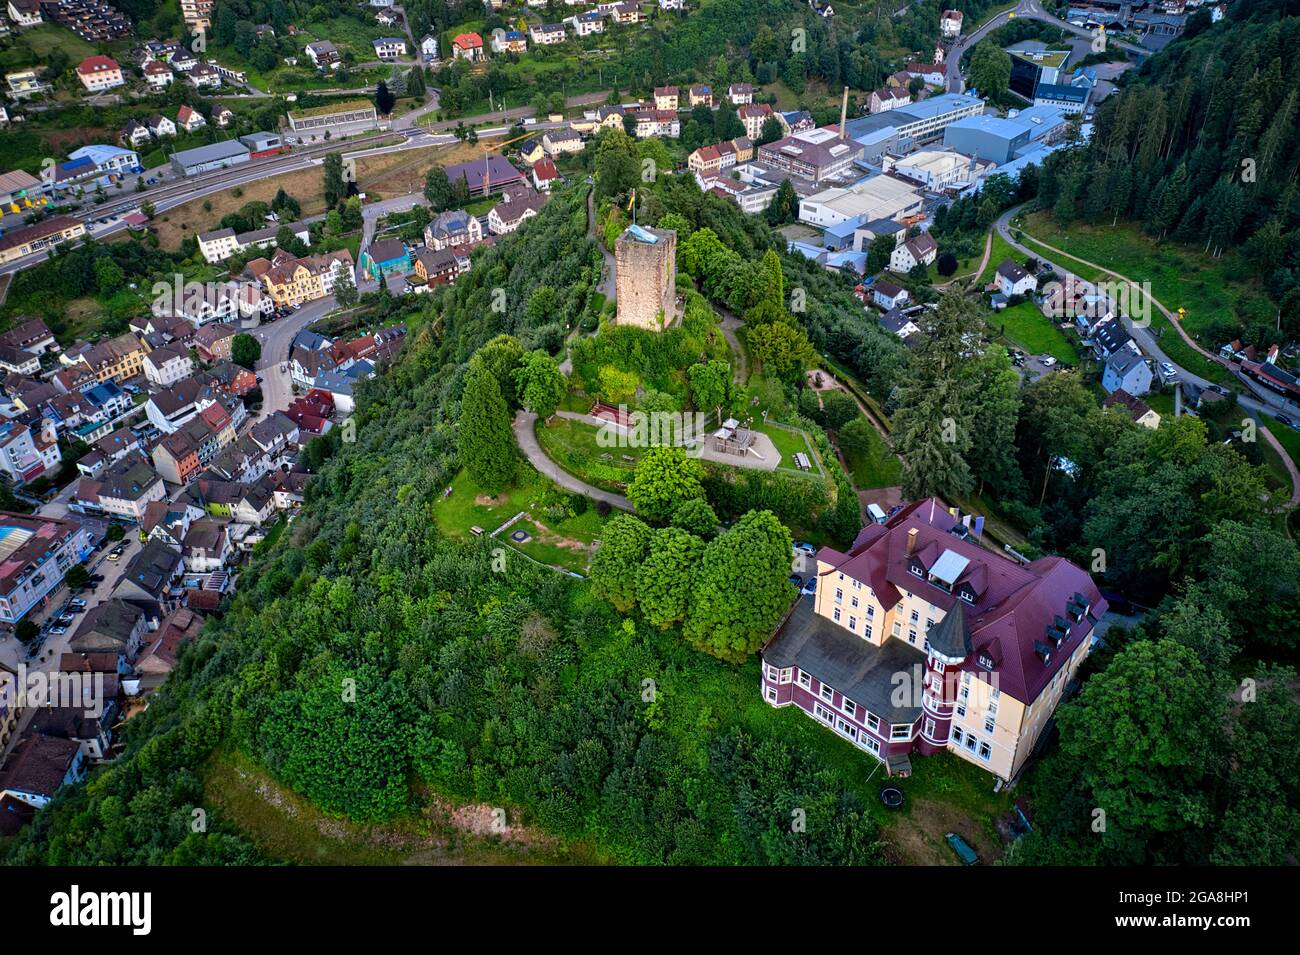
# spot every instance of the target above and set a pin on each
(66, 619)
(1219, 390)
(1167, 371)
(115, 555)
(58, 631)
(805, 547)
(1047, 360)
(77, 603)
(810, 587)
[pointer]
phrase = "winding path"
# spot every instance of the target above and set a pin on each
(524, 424)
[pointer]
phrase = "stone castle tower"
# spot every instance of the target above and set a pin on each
(646, 277)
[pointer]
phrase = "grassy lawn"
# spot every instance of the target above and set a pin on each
(878, 466)
(556, 537)
(32, 47)
(573, 446)
(1000, 252)
(1025, 325)
(789, 442)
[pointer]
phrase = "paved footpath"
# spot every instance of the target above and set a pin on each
(524, 423)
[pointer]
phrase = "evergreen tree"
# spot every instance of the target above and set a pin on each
(486, 442)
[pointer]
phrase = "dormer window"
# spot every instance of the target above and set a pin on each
(986, 661)
(1044, 652)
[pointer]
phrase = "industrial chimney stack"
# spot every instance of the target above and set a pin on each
(844, 115)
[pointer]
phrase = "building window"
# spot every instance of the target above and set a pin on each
(853, 601)
(771, 694)
(911, 637)
(900, 731)
(787, 675)
(928, 623)
(827, 693)
(871, 612)
(871, 745)
(957, 735)
(835, 614)
(872, 722)
(915, 616)
(853, 624)
(985, 752)
(839, 595)
(805, 680)
(866, 631)
(847, 729)
(988, 726)
(849, 707)
(929, 728)
(823, 714)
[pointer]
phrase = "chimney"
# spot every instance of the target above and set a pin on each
(911, 540)
(844, 114)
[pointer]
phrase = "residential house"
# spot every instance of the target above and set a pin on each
(467, 46)
(887, 98)
(434, 267)
(1014, 280)
(40, 766)
(39, 551)
(99, 73)
(213, 342)
(112, 627)
(204, 76)
(547, 34)
(451, 229)
(323, 55)
(950, 24)
(207, 546)
(509, 41)
(557, 142)
(153, 578)
(888, 296)
(922, 250)
(545, 174)
(25, 13)
(429, 48)
(740, 94)
(158, 75)
(390, 48)
(190, 119)
(1127, 369)
(700, 95)
(291, 281)
(666, 97)
(754, 115)
(1136, 408)
(993, 643)
(160, 126)
(585, 24)
(24, 84)
(162, 649)
(899, 323)
(26, 452)
(509, 214)
(626, 13)
(657, 122)
(121, 490)
(134, 134)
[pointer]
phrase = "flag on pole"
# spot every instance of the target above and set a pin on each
(631, 201)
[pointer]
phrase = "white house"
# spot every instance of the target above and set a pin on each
(548, 34)
(168, 364)
(390, 48)
(888, 295)
(919, 251)
(950, 24)
(1013, 280)
(157, 74)
(190, 119)
(429, 48)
